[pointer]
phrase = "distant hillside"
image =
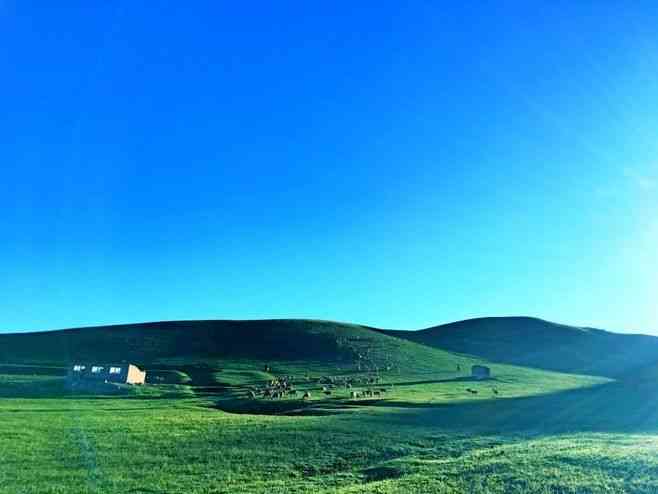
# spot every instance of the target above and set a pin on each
(537, 343)
(209, 341)
(511, 340)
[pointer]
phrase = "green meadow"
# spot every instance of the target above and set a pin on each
(195, 427)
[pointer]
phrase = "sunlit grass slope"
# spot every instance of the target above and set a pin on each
(229, 359)
(537, 343)
(593, 440)
(233, 353)
(433, 429)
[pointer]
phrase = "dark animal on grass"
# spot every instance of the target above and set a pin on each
(307, 395)
(495, 391)
(376, 393)
(327, 392)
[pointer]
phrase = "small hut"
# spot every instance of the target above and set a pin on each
(480, 372)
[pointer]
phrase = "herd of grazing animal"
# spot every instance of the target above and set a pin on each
(274, 389)
(474, 391)
(368, 393)
(282, 387)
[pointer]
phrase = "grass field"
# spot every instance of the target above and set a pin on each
(151, 444)
(195, 428)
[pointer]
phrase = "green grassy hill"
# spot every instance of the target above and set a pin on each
(198, 342)
(430, 428)
(537, 343)
(229, 359)
(513, 340)
(232, 354)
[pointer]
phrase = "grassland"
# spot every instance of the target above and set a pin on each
(195, 428)
(546, 443)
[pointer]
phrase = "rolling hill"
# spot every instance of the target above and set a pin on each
(521, 341)
(207, 342)
(537, 343)
(225, 362)
(204, 422)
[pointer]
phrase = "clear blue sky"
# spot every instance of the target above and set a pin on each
(396, 164)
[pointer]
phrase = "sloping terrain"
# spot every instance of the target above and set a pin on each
(149, 342)
(537, 343)
(235, 363)
(300, 343)
(520, 341)
(428, 426)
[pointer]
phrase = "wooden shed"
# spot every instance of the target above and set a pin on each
(480, 372)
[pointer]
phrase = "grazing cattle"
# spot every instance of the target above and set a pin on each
(376, 393)
(307, 395)
(383, 390)
(327, 392)
(354, 394)
(495, 391)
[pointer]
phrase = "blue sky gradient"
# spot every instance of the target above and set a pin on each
(386, 164)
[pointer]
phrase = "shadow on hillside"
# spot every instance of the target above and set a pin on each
(462, 379)
(56, 389)
(331, 406)
(24, 410)
(611, 407)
